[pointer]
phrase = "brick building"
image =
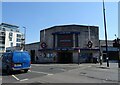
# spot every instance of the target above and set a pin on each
(61, 44)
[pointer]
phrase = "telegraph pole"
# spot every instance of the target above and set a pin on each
(107, 58)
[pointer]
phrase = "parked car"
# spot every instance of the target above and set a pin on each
(17, 60)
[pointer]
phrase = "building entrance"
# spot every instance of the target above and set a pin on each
(65, 57)
(32, 54)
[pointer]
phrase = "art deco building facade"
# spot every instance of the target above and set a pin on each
(69, 43)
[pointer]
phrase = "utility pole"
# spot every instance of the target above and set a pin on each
(107, 58)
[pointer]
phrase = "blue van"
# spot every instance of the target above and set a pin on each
(17, 60)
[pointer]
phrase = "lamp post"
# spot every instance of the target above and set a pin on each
(24, 36)
(107, 58)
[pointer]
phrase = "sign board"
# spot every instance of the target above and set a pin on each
(90, 44)
(65, 40)
(43, 45)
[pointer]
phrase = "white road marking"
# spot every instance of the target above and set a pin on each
(24, 80)
(63, 69)
(49, 74)
(36, 65)
(89, 66)
(41, 72)
(56, 65)
(15, 77)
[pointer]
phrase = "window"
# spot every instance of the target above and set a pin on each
(19, 35)
(2, 33)
(3, 29)
(76, 40)
(1, 49)
(10, 39)
(17, 44)
(2, 37)
(10, 34)
(11, 44)
(18, 40)
(2, 42)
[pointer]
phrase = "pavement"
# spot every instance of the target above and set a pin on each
(66, 73)
(0, 71)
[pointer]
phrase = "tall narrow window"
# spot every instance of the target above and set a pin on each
(10, 36)
(54, 41)
(76, 40)
(11, 44)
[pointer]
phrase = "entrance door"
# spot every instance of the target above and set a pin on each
(65, 57)
(32, 53)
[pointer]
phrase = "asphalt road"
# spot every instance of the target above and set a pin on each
(37, 70)
(65, 73)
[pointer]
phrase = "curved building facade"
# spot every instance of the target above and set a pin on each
(69, 44)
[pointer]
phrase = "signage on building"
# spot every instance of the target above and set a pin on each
(43, 45)
(65, 40)
(90, 44)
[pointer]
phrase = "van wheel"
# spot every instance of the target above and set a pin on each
(8, 71)
(26, 70)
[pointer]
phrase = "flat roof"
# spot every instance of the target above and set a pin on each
(8, 25)
(68, 26)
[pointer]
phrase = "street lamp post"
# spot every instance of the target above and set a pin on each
(107, 58)
(24, 36)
